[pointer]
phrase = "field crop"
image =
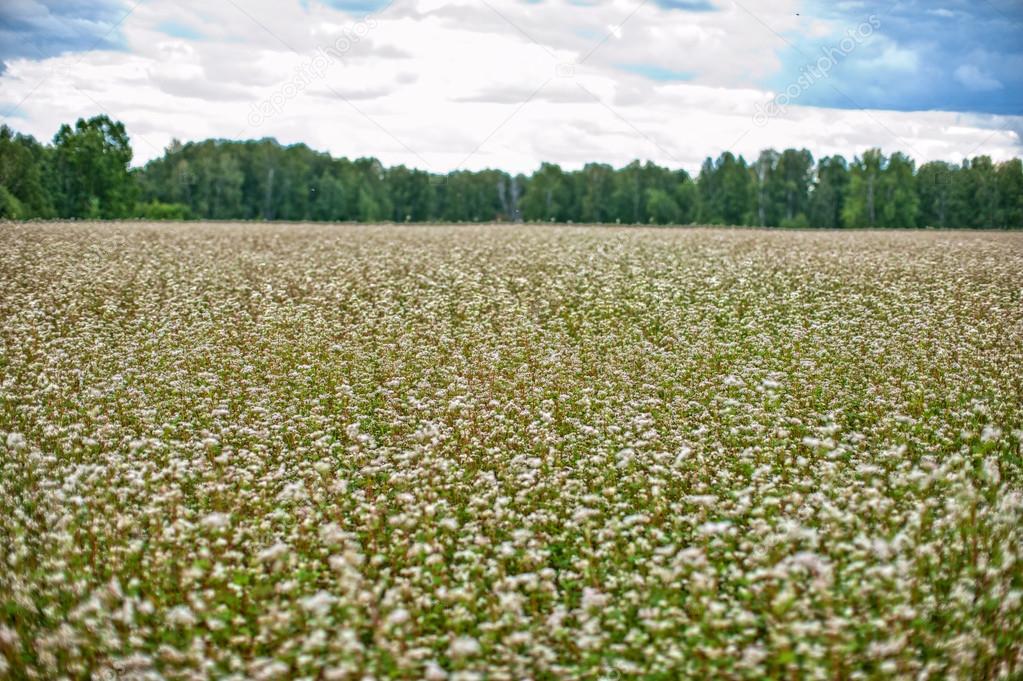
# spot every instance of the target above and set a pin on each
(278, 451)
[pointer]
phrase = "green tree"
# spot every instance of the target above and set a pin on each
(91, 169)
(10, 206)
(23, 162)
(900, 201)
(793, 176)
(981, 187)
(860, 209)
(662, 208)
(85, 173)
(157, 210)
(629, 194)
(827, 198)
(329, 203)
(936, 187)
(766, 202)
(1010, 191)
(726, 190)
(412, 194)
(548, 195)
(596, 184)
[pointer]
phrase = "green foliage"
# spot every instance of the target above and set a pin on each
(782, 185)
(940, 204)
(793, 177)
(827, 200)
(726, 191)
(595, 185)
(10, 207)
(1010, 192)
(977, 194)
(464, 196)
(981, 185)
(22, 164)
(90, 170)
(157, 210)
(799, 221)
(900, 203)
(861, 201)
(661, 207)
(548, 196)
(85, 175)
(412, 195)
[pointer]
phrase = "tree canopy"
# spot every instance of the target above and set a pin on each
(85, 173)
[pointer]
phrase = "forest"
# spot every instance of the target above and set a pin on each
(86, 173)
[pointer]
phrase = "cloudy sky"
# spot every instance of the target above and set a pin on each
(443, 84)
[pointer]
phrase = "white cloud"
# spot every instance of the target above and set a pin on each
(975, 79)
(435, 84)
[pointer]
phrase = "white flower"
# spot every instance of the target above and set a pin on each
(464, 646)
(398, 616)
(181, 616)
(273, 553)
(434, 672)
(635, 519)
(711, 529)
(593, 599)
(8, 636)
(319, 603)
(990, 433)
(16, 441)
(216, 521)
(331, 534)
(293, 491)
(270, 670)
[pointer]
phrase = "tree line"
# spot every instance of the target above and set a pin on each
(85, 173)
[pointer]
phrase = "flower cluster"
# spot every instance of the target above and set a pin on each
(341, 452)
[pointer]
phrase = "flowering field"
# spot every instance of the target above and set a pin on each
(277, 451)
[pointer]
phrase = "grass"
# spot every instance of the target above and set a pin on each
(278, 451)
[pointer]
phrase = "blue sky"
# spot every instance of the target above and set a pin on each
(37, 29)
(955, 55)
(438, 83)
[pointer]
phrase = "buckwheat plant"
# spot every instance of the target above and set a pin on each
(343, 452)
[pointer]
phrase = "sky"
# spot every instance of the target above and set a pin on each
(451, 84)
